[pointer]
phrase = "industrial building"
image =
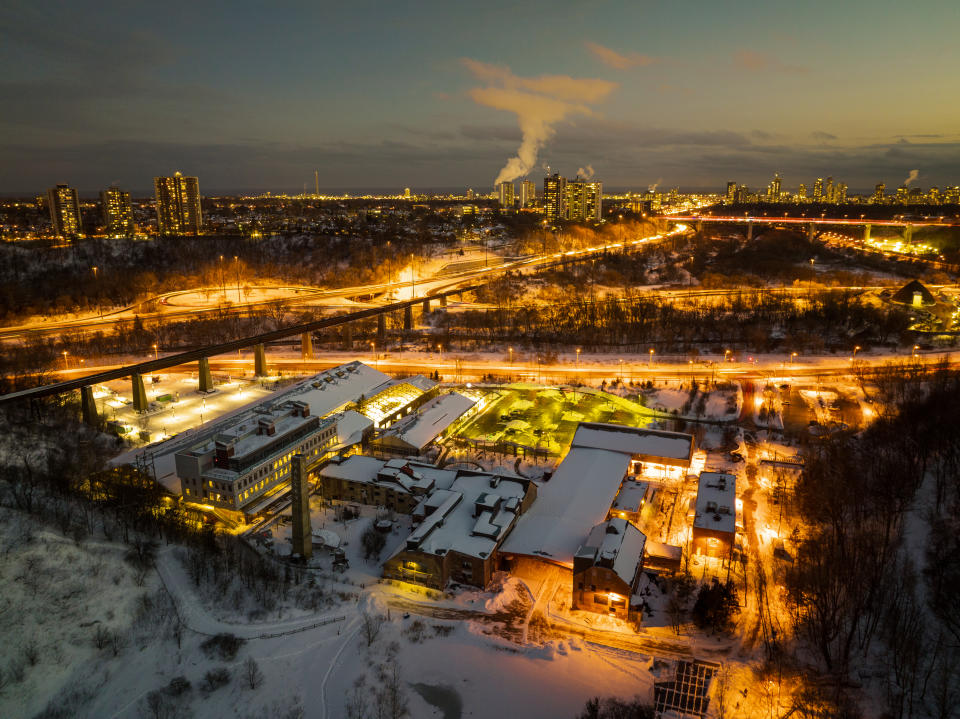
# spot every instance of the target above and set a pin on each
(716, 511)
(607, 568)
(328, 397)
(396, 398)
(246, 463)
(436, 419)
(460, 530)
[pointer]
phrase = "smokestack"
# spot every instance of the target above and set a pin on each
(316, 182)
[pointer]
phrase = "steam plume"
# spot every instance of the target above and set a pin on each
(914, 174)
(585, 172)
(654, 186)
(539, 103)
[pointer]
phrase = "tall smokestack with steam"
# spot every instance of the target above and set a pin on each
(914, 174)
(539, 103)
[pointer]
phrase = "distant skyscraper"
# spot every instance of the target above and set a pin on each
(64, 212)
(470, 194)
(528, 193)
(406, 193)
(775, 188)
(818, 190)
(934, 196)
(840, 195)
(583, 200)
(178, 205)
(731, 193)
(506, 194)
(117, 212)
(802, 193)
(554, 195)
(878, 196)
(902, 195)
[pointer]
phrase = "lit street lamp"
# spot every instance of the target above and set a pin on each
(510, 350)
(578, 358)
(650, 363)
(855, 350)
(65, 353)
(156, 353)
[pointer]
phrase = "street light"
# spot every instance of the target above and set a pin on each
(236, 264)
(578, 358)
(650, 364)
(726, 354)
(156, 353)
(915, 348)
(510, 350)
(793, 357)
(65, 353)
(855, 350)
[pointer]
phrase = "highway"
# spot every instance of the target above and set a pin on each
(773, 220)
(329, 298)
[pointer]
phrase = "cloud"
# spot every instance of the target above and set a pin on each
(621, 61)
(821, 136)
(539, 103)
(760, 62)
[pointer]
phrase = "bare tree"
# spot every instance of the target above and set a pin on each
(372, 624)
(252, 673)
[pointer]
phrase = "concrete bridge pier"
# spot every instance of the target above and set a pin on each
(408, 317)
(811, 231)
(259, 361)
(749, 231)
(139, 393)
(908, 234)
(348, 336)
(866, 232)
(306, 346)
(426, 307)
(88, 407)
(204, 376)
(443, 300)
(381, 326)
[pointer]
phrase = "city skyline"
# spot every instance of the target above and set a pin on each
(259, 100)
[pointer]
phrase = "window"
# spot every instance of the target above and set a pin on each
(600, 599)
(618, 603)
(466, 565)
(580, 586)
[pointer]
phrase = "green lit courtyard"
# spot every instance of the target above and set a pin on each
(530, 419)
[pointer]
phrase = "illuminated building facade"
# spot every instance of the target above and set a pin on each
(178, 205)
(583, 201)
(818, 190)
(506, 192)
(731, 196)
(117, 212)
(878, 196)
(528, 193)
(64, 207)
(554, 197)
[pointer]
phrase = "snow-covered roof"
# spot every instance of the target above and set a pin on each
(716, 502)
(418, 430)
(631, 496)
(674, 448)
(615, 544)
(576, 498)
(340, 386)
(472, 518)
(350, 427)
(332, 389)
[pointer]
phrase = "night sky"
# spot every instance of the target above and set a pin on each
(434, 95)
